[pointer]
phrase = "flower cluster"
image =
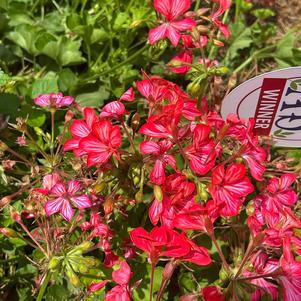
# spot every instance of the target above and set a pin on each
(191, 29)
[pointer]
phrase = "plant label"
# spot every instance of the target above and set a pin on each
(274, 100)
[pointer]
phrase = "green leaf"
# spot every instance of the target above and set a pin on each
(24, 35)
(9, 104)
(93, 99)
(67, 80)
(241, 38)
(36, 118)
(69, 53)
(45, 85)
(284, 51)
(4, 78)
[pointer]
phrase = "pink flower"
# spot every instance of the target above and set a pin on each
(223, 6)
(96, 286)
(113, 110)
(291, 281)
(49, 181)
(122, 277)
(63, 197)
(21, 141)
(102, 143)
(128, 95)
(171, 28)
(229, 187)
(53, 100)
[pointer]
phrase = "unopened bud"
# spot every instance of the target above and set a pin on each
(9, 232)
(218, 43)
(108, 206)
(158, 193)
(3, 146)
(135, 122)
(86, 245)
(99, 187)
(208, 226)
(139, 196)
(5, 201)
(250, 209)
(54, 262)
(69, 115)
(73, 278)
(169, 269)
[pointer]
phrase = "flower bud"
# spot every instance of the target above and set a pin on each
(54, 262)
(108, 206)
(69, 115)
(250, 209)
(9, 232)
(84, 246)
(158, 193)
(73, 278)
(5, 201)
(135, 122)
(3, 146)
(139, 196)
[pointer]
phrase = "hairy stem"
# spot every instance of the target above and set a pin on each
(44, 286)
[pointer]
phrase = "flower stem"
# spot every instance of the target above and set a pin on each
(52, 131)
(151, 282)
(129, 136)
(44, 286)
(220, 253)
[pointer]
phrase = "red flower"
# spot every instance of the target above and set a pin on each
(160, 242)
(229, 187)
(178, 64)
(212, 293)
(80, 129)
(223, 6)
(102, 143)
(171, 10)
(164, 125)
(122, 277)
(158, 152)
(291, 281)
(202, 152)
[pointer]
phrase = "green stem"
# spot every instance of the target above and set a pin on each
(151, 282)
(213, 49)
(220, 253)
(129, 136)
(52, 131)
(253, 56)
(129, 59)
(44, 286)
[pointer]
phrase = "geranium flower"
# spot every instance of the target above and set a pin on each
(158, 152)
(102, 143)
(202, 153)
(53, 100)
(49, 181)
(172, 27)
(63, 198)
(122, 277)
(80, 129)
(229, 187)
(178, 64)
(160, 242)
(113, 110)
